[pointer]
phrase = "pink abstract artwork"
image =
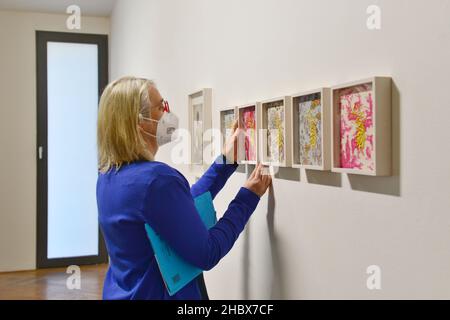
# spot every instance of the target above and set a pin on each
(249, 128)
(357, 130)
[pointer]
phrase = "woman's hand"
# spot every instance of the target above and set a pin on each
(259, 180)
(230, 147)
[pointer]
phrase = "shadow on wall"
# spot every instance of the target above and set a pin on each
(277, 277)
(326, 178)
(291, 174)
(246, 265)
(246, 251)
(241, 168)
(277, 280)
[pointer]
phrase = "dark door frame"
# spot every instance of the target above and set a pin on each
(42, 38)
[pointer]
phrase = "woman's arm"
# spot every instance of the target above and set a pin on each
(222, 168)
(214, 178)
(170, 211)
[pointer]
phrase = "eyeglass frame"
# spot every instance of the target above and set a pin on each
(165, 105)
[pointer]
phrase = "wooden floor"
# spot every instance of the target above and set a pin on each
(50, 284)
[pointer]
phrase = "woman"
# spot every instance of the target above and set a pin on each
(133, 190)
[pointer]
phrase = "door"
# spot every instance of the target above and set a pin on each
(72, 71)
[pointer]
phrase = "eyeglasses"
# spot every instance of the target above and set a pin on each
(164, 105)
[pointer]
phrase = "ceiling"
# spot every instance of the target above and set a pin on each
(102, 8)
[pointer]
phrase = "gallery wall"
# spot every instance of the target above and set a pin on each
(315, 233)
(18, 130)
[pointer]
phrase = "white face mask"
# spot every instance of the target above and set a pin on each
(167, 125)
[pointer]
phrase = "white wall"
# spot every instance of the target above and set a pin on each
(18, 130)
(315, 237)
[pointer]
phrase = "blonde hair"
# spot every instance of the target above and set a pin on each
(118, 136)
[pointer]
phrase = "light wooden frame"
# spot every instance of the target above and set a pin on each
(222, 129)
(325, 130)
(262, 120)
(241, 146)
(381, 93)
(203, 96)
(222, 113)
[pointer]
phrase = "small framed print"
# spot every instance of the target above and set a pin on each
(199, 125)
(361, 127)
(227, 119)
(275, 131)
(310, 148)
(248, 139)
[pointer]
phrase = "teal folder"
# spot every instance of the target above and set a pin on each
(175, 271)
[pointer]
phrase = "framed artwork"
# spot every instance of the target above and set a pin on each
(361, 127)
(199, 126)
(248, 140)
(227, 118)
(275, 134)
(310, 130)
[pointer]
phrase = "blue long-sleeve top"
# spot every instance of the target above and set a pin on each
(155, 193)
